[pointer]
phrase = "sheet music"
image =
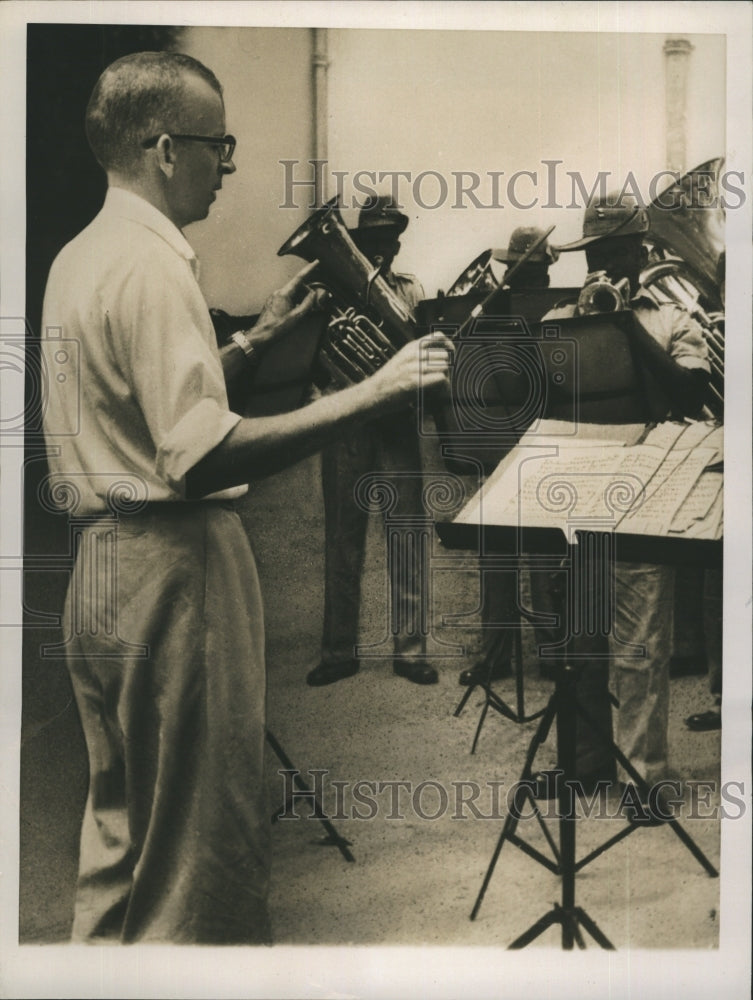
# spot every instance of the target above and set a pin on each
(664, 435)
(652, 488)
(704, 498)
(539, 488)
(664, 503)
(688, 435)
(711, 526)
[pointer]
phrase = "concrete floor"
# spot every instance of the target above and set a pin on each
(415, 879)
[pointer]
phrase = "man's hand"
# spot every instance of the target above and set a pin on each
(422, 364)
(260, 446)
(284, 309)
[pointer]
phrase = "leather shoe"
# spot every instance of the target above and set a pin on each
(328, 673)
(705, 722)
(419, 671)
(480, 673)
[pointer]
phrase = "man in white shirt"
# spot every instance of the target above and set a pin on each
(165, 641)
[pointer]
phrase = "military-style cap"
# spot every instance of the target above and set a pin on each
(521, 240)
(381, 212)
(615, 215)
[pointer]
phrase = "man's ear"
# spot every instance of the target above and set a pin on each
(166, 155)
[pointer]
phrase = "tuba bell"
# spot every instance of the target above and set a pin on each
(368, 322)
(686, 260)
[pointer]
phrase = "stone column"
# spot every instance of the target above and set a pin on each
(677, 57)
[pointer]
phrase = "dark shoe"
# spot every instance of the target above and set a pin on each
(687, 666)
(705, 722)
(480, 673)
(328, 673)
(419, 672)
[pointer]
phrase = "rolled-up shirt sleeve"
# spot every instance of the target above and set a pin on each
(169, 358)
(688, 345)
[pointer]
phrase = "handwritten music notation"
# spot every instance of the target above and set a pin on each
(667, 480)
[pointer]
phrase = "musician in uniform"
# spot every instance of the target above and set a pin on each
(390, 446)
(533, 273)
(498, 590)
(166, 647)
(712, 615)
(673, 349)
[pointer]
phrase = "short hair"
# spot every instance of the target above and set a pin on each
(135, 98)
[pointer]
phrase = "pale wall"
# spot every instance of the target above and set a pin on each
(266, 76)
(443, 101)
(482, 101)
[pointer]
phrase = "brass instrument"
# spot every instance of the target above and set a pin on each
(368, 322)
(600, 295)
(498, 295)
(687, 240)
(477, 277)
(669, 281)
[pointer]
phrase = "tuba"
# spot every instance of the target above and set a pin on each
(368, 322)
(686, 238)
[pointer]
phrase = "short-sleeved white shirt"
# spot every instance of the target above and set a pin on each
(142, 396)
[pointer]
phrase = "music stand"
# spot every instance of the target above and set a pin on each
(333, 838)
(585, 548)
(510, 637)
(512, 370)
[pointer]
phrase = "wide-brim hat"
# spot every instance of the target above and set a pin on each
(381, 213)
(521, 241)
(615, 215)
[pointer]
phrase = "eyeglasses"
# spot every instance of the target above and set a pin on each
(225, 143)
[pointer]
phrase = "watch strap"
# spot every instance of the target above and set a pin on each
(241, 340)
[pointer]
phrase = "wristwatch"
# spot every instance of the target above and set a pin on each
(244, 343)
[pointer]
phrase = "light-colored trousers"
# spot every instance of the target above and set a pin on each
(639, 678)
(175, 836)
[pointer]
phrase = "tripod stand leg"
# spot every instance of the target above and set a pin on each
(567, 915)
(518, 660)
(570, 920)
(333, 837)
(463, 701)
(643, 787)
(553, 917)
(596, 933)
(481, 718)
(511, 822)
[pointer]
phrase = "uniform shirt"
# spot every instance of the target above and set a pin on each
(670, 325)
(407, 286)
(141, 397)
